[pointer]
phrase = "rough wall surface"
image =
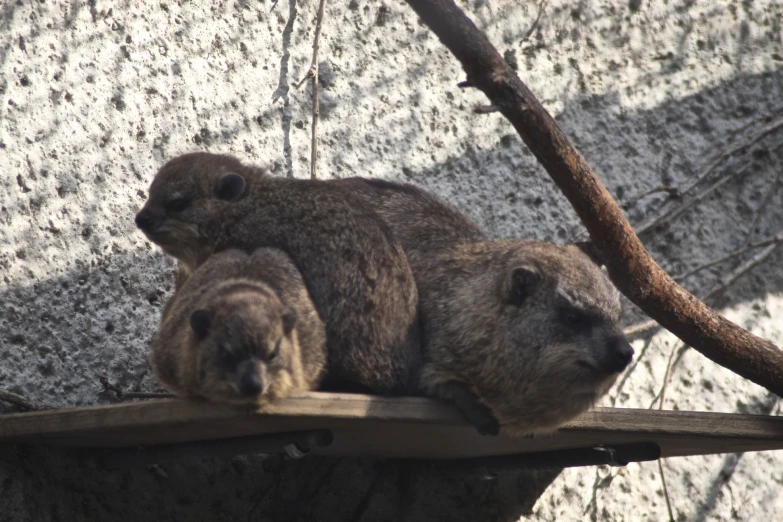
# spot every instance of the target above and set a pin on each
(95, 95)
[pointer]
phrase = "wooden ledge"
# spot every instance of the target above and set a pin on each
(369, 426)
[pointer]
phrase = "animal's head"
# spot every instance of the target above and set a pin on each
(559, 325)
(245, 346)
(188, 193)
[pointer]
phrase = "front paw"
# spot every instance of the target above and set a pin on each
(483, 420)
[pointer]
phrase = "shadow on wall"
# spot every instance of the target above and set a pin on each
(255, 488)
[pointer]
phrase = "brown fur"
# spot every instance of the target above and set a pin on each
(494, 316)
(254, 299)
(356, 273)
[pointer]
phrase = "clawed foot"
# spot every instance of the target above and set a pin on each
(482, 418)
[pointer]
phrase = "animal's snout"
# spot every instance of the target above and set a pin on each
(251, 384)
(145, 221)
(620, 354)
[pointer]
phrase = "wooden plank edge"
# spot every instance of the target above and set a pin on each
(373, 408)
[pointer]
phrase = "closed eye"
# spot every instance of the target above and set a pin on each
(177, 205)
(276, 351)
(226, 357)
(574, 318)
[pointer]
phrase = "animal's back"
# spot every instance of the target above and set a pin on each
(356, 272)
(419, 219)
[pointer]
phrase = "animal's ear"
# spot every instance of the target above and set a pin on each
(230, 187)
(200, 321)
(289, 319)
(589, 248)
(524, 281)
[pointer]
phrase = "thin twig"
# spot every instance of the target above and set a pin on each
(688, 202)
(741, 270)
(673, 192)
(778, 238)
(109, 387)
(312, 72)
(23, 402)
(541, 9)
(640, 328)
(665, 490)
(736, 146)
(678, 350)
(261, 497)
(662, 396)
(694, 200)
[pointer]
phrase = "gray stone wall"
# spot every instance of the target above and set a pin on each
(95, 95)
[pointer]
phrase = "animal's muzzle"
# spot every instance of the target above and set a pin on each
(146, 221)
(619, 356)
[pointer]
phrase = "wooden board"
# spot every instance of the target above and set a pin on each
(368, 426)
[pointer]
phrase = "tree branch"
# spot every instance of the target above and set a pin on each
(23, 402)
(630, 266)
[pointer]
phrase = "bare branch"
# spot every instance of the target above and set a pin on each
(630, 266)
(673, 192)
(662, 396)
(738, 145)
(665, 490)
(776, 239)
(312, 72)
(741, 270)
(486, 109)
(109, 387)
(23, 402)
(541, 9)
(674, 358)
(640, 328)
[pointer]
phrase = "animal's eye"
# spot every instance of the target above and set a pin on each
(177, 205)
(226, 357)
(575, 318)
(276, 351)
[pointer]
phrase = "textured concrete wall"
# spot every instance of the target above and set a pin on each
(95, 95)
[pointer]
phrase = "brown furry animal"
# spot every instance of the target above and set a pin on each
(241, 329)
(356, 273)
(524, 333)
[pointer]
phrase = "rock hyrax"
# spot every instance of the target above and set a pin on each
(356, 273)
(241, 329)
(524, 333)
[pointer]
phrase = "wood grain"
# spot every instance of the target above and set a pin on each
(369, 426)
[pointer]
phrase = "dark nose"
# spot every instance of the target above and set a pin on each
(251, 384)
(620, 354)
(145, 221)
